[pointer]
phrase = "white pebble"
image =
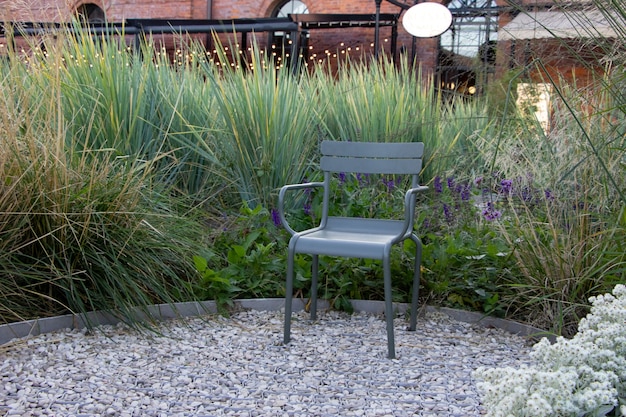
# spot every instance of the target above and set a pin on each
(238, 366)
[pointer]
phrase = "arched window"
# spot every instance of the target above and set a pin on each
(292, 7)
(90, 13)
(467, 49)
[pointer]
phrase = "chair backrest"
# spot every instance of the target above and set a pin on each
(372, 157)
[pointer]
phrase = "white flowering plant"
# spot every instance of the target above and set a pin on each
(583, 376)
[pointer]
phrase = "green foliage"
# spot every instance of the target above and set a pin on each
(89, 218)
(102, 141)
(130, 104)
(566, 231)
(246, 259)
(566, 249)
(78, 232)
(464, 272)
(270, 123)
(361, 103)
(465, 261)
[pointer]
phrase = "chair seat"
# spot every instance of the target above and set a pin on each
(350, 237)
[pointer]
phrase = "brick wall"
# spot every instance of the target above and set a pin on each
(116, 10)
(146, 9)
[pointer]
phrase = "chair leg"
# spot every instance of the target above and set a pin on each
(416, 282)
(288, 296)
(314, 271)
(391, 350)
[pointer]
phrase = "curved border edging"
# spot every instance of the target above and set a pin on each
(11, 331)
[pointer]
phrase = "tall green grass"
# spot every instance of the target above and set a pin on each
(109, 154)
(84, 224)
(385, 101)
(380, 102)
(570, 243)
(135, 103)
(270, 124)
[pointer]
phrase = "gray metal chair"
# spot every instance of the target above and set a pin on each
(358, 237)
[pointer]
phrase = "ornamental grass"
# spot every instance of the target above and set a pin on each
(130, 179)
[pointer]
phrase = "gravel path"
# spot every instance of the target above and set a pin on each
(237, 366)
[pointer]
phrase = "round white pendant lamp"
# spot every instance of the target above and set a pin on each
(426, 20)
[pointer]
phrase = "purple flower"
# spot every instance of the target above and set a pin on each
(307, 209)
(451, 183)
(276, 218)
(448, 213)
(490, 213)
(438, 186)
(528, 195)
(342, 177)
(307, 191)
(478, 181)
(506, 186)
(224, 222)
(363, 179)
(464, 191)
(548, 194)
(389, 183)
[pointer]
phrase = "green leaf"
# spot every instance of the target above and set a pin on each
(200, 263)
(236, 254)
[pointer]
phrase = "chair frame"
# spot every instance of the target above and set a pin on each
(358, 237)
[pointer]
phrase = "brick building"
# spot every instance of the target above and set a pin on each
(322, 43)
(487, 37)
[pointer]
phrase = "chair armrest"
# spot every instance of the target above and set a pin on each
(281, 201)
(409, 207)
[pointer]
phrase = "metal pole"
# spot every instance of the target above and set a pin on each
(295, 50)
(377, 28)
(413, 46)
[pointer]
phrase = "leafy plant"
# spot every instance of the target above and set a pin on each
(246, 259)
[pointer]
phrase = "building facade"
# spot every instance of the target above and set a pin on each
(321, 42)
(487, 37)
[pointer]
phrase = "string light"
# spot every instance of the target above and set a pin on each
(280, 54)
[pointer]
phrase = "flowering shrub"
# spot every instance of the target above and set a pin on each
(582, 376)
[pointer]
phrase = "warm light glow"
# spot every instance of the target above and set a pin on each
(181, 57)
